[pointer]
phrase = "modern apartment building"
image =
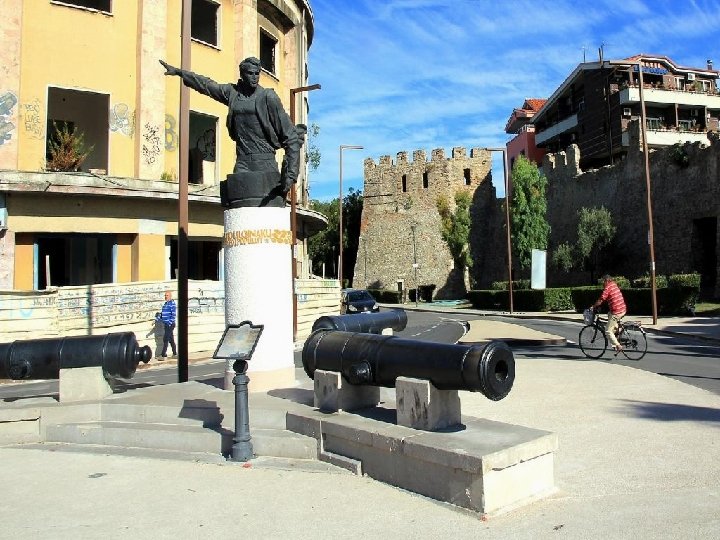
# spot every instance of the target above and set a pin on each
(523, 143)
(595, 103)
(91, 66)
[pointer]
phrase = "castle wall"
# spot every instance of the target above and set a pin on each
(682, 197)
(401, 194)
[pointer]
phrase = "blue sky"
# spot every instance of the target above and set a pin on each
(402, 75)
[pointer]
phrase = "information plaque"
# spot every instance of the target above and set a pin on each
(238, 341)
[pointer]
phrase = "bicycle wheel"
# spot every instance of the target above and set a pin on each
(634, 342)
(592, 341)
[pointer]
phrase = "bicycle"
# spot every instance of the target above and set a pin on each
(593, 341)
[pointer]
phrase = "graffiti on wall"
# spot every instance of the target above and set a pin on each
(7, 102)
(32, 118)
(206, 144)
(171, 136)
(151, 144)
(122, 120)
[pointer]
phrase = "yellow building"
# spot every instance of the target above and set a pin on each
(97, 73)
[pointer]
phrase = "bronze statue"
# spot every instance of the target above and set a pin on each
(259, 126)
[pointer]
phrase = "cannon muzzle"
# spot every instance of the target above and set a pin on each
(371, 359)
(119, 355)
(372, 323)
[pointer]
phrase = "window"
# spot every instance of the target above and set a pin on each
(404, 183)
(425, 180)
(88, 113)
(100, 5)
(203, 24)
(267, 51)
(466, 174)
(203, 129)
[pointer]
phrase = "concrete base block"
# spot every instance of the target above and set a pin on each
(333, 394)
(422, 406)
(83, 384)
(488, 467)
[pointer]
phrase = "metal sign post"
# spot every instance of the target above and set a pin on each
(238, 343)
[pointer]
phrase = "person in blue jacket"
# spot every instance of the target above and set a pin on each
(167, 317)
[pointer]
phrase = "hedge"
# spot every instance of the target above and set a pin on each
(386, 296)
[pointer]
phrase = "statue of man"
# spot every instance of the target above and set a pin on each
(259, 126)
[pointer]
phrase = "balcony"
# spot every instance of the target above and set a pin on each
(668, 137)
(553, 131)
(666, 96)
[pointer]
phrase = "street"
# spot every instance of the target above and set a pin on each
(689, 360)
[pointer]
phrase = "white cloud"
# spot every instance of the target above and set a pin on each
(401, 75)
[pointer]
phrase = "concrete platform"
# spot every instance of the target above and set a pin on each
(485, 466)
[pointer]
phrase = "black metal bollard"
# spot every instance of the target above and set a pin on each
(373, 323)
(370, 359)
(119, 355)
(242, 449)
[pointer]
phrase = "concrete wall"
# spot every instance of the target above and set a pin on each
(131, 307)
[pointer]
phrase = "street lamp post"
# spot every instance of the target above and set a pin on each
(415, 265)
(340, 257)
(293, 210)
(646, 159)
(507, 221)
(651, 241)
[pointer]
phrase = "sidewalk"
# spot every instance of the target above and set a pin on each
(638, 458)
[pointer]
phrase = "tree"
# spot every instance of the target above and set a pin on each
(563, 257)
(595, 232)
(352, 213)
(324, 247)
(455, 227)
(312, 154)
(528, 207)
(66, 146)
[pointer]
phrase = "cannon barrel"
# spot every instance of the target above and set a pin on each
(372, 323)
(371, 359)
(119, 355)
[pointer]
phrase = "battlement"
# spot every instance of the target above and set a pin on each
(419, 157)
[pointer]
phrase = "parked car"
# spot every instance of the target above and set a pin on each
(357, 301)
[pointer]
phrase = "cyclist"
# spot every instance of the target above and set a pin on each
(616, 309)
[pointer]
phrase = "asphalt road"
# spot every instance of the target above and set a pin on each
(692, 361)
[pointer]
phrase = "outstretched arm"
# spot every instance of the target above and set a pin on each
(170, 70)
(200, 83)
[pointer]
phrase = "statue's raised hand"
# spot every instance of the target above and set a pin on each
(170, 70)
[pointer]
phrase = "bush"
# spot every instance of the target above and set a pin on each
(684, 280)
(645, 282)
(622, 282)
(386, 296)
(584, 297)
(488, 299)
(523, 299)
(518, 284)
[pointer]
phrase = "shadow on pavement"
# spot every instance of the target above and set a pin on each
(672, 412)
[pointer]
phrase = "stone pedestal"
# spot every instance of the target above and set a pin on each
(83, 384)
(258, 288)
(333, 394)
(422, 406)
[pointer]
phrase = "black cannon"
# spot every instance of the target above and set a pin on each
(371, 359)
(371, 323)
(117, 353)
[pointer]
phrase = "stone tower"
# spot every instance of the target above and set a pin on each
(400, 223)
